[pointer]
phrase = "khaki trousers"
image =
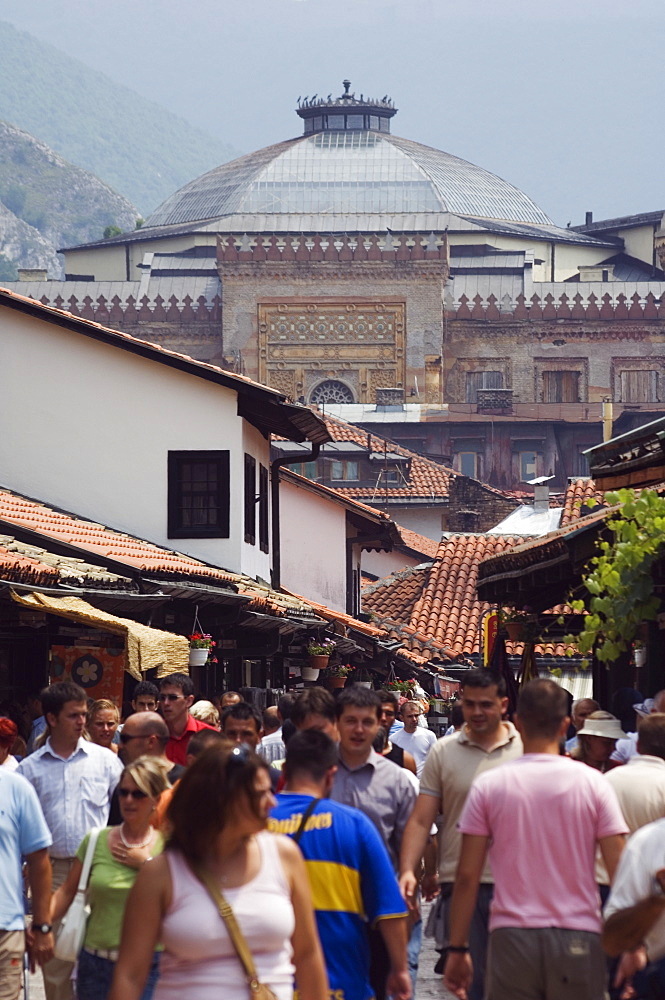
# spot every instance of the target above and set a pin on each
(58, 974)
(12, 948)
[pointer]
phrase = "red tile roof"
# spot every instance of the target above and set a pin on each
(17, 567)
(439, 602)
(578, 493)
(428, 479)
(97, 538)
(418, 543)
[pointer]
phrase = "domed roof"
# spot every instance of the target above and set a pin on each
(344, 170)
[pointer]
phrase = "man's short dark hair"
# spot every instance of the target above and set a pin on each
(313, 701)
(357, 696)
(542, 706)
(198, 742)
(182, 681)
(380, 741)
(242, 711)
(285, 705)
(651, 735)
(146, 689)
(389, 698)
(310, 752)
(484, 677)
(55, 696)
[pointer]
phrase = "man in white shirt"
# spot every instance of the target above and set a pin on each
(412, 737)
(74, 780)
(635, 912)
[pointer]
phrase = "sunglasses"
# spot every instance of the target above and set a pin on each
(132, 793)
(170, 697)
(126, 737)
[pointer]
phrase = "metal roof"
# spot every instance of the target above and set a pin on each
(347, 173)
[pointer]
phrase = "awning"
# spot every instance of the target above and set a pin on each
(147, 648)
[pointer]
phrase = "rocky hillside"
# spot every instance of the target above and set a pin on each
(46, 203)
(142, 150)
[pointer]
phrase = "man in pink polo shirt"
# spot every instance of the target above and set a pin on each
(541, 817)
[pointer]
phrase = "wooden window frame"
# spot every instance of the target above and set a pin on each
(176, 462)
(250, 499)
(264, 510)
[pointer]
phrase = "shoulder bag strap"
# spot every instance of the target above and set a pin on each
(305, 816)
(228, 916)
(87, 861)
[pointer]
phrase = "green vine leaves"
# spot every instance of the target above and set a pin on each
(618, 580)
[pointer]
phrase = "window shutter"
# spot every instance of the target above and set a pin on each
(263, 509)
(250, 495)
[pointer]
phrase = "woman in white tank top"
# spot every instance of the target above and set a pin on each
(218, 814)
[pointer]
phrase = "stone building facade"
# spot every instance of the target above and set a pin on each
(349, 260)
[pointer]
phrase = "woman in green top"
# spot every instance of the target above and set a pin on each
(119, 853)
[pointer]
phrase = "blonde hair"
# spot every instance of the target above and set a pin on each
(102, 705)
(205, 711)
(150, 775)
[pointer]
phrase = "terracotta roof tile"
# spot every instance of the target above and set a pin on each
(106, 542)
(419, 543)
(439, 600)
(427, 479)
(24, 563)
(578, 493)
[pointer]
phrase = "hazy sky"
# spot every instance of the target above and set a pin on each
(563, 98)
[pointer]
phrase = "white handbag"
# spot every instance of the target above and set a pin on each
(71, 932)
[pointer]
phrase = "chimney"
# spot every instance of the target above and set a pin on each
(588, 218)
(541, 492)
(32, 274)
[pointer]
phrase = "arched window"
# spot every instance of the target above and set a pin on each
(331, 391)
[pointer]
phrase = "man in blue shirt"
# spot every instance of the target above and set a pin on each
(351, 876)
(23, 832)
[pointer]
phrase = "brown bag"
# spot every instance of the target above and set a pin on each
(257, 990)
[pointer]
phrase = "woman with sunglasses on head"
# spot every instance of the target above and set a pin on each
(119, 853)
(219, 844)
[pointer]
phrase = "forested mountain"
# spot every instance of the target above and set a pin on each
(46, 203)
(142, 150)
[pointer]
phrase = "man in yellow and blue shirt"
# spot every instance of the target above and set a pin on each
(351, 875)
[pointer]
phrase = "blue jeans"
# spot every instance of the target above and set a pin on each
(95, 975)
(413, 952)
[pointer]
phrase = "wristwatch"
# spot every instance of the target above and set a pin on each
(43, 928)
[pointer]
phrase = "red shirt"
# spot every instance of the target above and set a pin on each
(176, 748)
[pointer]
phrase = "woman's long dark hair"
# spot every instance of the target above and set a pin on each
(207, 795)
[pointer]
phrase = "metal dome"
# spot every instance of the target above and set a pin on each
(334, 174)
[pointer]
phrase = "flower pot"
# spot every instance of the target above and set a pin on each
(318, 662)
(336, 682)
(198, 657)
(364, 684)
(640, 656)
(515, 631)
(311, 673)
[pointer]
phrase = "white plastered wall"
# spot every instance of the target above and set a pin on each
(88, 427)
(313, 546)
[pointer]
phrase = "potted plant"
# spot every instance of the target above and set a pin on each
(520, 624)
(336, 676)
(401, 686)
(200, 645)
(320, 651)
(362, 677)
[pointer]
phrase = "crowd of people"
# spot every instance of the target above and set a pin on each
(225, 849)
